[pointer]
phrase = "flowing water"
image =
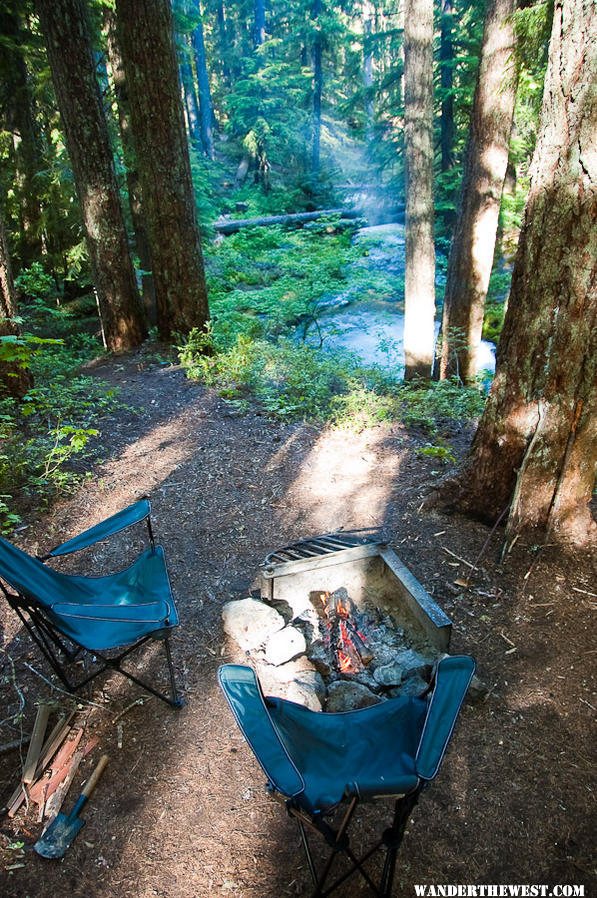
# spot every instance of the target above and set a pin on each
(370, 327)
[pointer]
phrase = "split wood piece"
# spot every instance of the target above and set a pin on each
(51, 745)
(47, 785)
(36, 744)
(55, 802)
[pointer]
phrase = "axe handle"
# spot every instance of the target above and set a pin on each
(94, 778)
(88, 788)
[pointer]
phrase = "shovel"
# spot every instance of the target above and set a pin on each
(63, 829)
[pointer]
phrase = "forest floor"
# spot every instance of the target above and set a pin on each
(181, 810)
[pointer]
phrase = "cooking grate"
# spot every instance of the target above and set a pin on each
(325, 545)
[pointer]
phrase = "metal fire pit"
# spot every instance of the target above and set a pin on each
(372, 573)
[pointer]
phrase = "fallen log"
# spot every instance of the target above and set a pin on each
(231, 225)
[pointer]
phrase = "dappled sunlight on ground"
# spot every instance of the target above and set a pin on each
(344, 482)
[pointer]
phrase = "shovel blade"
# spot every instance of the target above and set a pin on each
(58, 836)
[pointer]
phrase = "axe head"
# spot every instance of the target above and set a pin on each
(58, 836)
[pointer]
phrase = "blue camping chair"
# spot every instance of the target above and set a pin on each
(314, 761)
(107, 617)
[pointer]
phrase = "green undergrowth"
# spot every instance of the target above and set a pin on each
(267, 287)
(46, 437)
(292, 381)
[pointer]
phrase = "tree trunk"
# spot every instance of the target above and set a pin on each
(205, 103)
(231, 226)
(259, 23)
(224, 40)
(474, 238)
(157, 121)
(189, 93)
(20, 120)
(14, 379)
(130, 162)
(368, 20)
(317, 87)
(446, 61)
(66, 33)
(536, 446)
(419, 302)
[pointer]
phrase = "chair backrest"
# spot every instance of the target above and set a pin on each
(29, 576)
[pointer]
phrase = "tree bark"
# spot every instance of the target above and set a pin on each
(205, 102)
(130, 162)
(536, 446)
(157, 121)
(65, 28)
(419, 302)
(14, 379)
(474, 238)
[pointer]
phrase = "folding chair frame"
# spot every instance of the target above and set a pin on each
(52, 643)
(338, 841)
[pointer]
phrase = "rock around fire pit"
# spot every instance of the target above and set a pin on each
(338, 623)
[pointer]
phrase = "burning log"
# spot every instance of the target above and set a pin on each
(347, 643)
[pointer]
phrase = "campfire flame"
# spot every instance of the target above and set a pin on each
(348, 645)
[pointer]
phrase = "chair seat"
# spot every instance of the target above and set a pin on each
(102, 613)
(368, 752)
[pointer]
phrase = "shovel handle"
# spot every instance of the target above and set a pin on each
(94, 778)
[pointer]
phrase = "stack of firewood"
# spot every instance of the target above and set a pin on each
(51, 764)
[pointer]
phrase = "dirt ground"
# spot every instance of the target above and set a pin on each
(181, 810)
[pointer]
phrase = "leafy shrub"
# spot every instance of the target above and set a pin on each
(432, 406)
(34, 283)
(42, 435)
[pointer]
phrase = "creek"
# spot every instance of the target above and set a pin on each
(369, 327)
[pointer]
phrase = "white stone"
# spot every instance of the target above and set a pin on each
(389, 674)
(284, 645)
(412, 662)
(250, 622)
(296, 681)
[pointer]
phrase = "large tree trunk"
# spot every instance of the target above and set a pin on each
(317, 87)
(205, 103)
(536, 446)
(147, 43)
(130, 161)
(419, 302)
(14, 379)
(66, 33)
(473, 241)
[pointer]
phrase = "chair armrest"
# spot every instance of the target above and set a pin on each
(114, 524)
(243, 694)
(452, 679)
